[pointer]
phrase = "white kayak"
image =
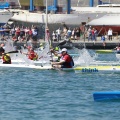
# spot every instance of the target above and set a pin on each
(82, 69)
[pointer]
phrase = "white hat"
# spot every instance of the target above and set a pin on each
(64, 50)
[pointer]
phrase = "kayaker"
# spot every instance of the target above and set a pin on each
(6, 58)
(66, 60)
(32, 55)
(1, 49)
(117, 49)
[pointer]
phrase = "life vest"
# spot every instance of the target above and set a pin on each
(32, 55)
(6, 59)
(69, 63)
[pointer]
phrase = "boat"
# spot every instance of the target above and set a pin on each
(81, 69)
(97, 69)
(78, 15)
(106, 95)
(104, 51)
(104, 23)
(5, 13)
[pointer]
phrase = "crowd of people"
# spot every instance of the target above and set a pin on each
(17, 33)
(88, 33)
(67, 33)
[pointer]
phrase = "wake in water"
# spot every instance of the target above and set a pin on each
(84, 58)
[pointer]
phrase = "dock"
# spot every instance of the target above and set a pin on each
(82, 43)
(90, 44)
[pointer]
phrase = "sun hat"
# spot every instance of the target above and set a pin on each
(64, 50)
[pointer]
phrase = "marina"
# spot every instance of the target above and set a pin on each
(72, 74)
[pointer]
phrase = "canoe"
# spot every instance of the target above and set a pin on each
(104, 51)
(106, 95)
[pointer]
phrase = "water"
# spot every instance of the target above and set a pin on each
(56, 95)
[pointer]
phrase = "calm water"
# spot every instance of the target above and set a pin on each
(56, 95)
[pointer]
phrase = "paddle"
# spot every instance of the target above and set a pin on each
(61, 43)
(12, 52)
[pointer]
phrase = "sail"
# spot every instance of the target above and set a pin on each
(12, 3)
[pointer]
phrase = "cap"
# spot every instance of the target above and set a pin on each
(64, 50)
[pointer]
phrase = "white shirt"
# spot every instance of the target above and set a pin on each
(109, 32)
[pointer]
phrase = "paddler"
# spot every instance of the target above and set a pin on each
(66, 60)
(2, 49)
(32, 55)
(6, 58)
(117, 49)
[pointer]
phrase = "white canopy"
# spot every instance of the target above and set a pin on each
(109, 19)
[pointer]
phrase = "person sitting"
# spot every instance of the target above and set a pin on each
(66, 60)
(117, 49)
(1, 49)
(31, 54)
(6, 58)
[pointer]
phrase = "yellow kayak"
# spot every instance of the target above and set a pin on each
(104, 51)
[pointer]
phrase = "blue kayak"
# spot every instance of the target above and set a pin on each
(106, 95)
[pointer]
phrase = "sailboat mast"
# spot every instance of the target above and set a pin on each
(46, 15)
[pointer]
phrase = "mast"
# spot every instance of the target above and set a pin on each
(46, 15)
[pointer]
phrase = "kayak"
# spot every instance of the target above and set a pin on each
(104, 51)
(106, 95)
(96, 69)
(82, 69)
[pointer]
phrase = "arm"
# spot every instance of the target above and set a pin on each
(58, 63)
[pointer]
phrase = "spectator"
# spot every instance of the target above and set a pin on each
(110, 33)
(58, 31)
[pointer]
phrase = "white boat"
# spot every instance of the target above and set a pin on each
(81, 69)
(5, 13)
(77, 16)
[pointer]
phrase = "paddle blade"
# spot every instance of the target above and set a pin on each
(62, 43)
(13, 52)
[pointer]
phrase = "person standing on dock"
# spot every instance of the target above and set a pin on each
(110, 33)
(89, 34)
(58, 31)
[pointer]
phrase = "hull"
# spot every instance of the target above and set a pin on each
(5, 16)
(89, 69)
(71, 19)
(104, 23)
(98, 69)
(106, 95)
